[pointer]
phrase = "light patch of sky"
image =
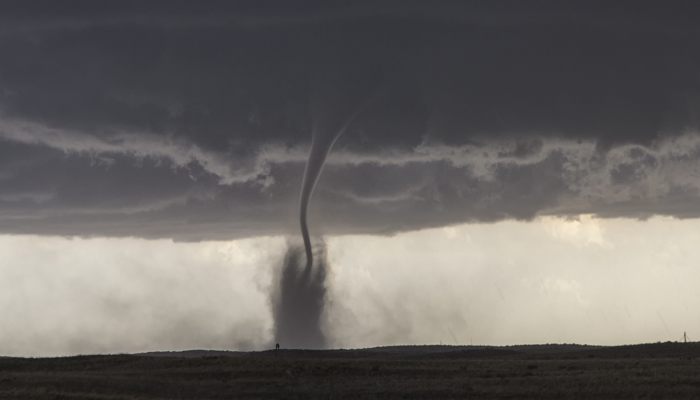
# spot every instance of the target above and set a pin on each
(67, 296)
(583, 230)
(583, 279)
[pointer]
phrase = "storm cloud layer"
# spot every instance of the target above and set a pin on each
(194, 121)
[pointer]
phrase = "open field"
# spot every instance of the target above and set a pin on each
(661, 370)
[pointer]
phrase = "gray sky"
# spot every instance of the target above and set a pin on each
(193, 122)
(189, 125)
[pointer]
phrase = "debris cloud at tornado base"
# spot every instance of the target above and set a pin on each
(299, 300)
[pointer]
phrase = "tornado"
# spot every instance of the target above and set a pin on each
(299, 299)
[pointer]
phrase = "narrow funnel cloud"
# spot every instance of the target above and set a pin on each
(321, 144)
(328, 126)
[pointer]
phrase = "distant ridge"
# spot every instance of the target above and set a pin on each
(194, 353)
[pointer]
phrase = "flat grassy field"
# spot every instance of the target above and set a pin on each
(653, 371)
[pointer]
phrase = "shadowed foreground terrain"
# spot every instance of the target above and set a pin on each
(661, 370)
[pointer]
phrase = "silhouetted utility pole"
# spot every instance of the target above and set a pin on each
(685, 337)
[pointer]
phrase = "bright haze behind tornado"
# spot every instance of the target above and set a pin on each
(504, 172)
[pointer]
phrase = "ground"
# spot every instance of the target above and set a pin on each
(653, 371)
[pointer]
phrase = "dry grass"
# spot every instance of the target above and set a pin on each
(617, 373)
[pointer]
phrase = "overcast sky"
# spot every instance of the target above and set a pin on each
(152, 153)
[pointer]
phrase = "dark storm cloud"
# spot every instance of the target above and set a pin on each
(194, 121)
